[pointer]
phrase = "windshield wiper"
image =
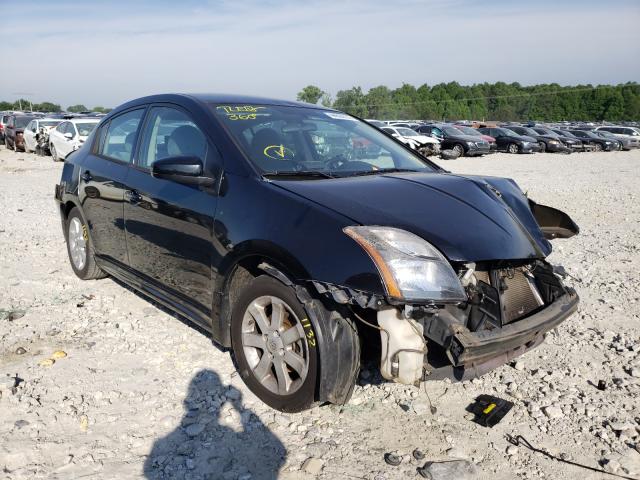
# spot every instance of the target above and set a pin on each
(299, 173)
(382, 170)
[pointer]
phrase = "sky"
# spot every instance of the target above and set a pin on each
(105, 53)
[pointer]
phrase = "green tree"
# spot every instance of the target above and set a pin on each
(46, 107)
(310, 94)
(352, 101)
(77, 108)
(101, 109)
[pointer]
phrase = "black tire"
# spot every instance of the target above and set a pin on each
(513, 148)
(597, 147)
(10, 147)
(543, 147)
(54, 155)
(304, 397)
(459, 149)
(90, 270)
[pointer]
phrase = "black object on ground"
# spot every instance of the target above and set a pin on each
(520, 441)
(418, 455)
(602, 385)
(392, 459)
(489, 410)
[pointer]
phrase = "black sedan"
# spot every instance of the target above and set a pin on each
(599, 144)
(570, 141)
(453, 139)
(510, 142)
(261, 221)
(548, 143)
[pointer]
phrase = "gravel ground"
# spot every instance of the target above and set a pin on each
(141, 394)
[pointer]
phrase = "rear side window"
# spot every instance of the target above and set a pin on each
(170, 132)
(120, 136)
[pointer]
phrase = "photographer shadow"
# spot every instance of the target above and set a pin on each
(217, 438)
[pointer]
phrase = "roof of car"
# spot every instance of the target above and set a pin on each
(224, 98)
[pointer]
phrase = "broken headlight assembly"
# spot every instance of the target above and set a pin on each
(410, 267)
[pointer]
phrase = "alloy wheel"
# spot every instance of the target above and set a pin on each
(275, 345)
(513, 148)
(77, 243)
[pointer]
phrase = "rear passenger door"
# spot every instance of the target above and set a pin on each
(101, 188)
(169, 225)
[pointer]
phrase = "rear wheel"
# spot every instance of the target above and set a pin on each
(512, 148)
(80, 248)
(10, 145)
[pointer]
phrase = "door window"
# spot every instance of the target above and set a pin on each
(171, 133)
(121, 134)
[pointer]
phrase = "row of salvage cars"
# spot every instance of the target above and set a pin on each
(55, 134)
(304, 239)
(463, 139)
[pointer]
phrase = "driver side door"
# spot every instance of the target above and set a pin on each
(169, 225)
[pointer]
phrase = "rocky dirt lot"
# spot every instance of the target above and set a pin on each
(97, 382)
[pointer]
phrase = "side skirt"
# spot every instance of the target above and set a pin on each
(156, 293)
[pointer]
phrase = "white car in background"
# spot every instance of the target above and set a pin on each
(629, 133)
(422, 143)
(33, 129)
(69, 136)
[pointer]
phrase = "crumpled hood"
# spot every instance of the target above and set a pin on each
(469, 218)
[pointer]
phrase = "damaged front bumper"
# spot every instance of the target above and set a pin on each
(471, 348)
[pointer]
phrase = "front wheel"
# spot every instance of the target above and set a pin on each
(597, 147)
(512, 148)
(80, 248)
(277, 349)
(543, 147)
(54, 154)
(459, 149)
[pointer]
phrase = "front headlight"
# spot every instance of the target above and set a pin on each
(471, 144)
(553, 142)
(411, 268)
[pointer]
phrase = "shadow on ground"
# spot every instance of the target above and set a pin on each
(217, 438)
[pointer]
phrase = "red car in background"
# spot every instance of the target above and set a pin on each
(472, 131)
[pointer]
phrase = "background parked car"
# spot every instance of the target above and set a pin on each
(548, 143)
(571, 142)
(35, 128)
(69, 136)
(453, 139)
(4, 119)
(629, 133)
(600, 144)
(424, 144)
(585, 145)
(510, 142)
(493, 146)
(14, 131)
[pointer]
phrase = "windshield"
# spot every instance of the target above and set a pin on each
(49, 123)
(84, 129)
(469, 131)
(22, 122)
(451, 131)
(407, 132)
(507, 132)
(293, 140)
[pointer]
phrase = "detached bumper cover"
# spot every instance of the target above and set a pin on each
(476, 347)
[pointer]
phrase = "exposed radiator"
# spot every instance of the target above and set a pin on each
(519, 295)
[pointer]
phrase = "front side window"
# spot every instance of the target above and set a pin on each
(171, 133)
(120, 137)
(61, 128)
(285, 140)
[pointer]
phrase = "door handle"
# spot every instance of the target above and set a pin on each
(132, 196)
(86, 176)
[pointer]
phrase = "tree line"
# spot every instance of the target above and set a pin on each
(26, 105)
(486, 101)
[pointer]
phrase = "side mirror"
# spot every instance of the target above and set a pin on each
(68, 136)
(183, 169)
